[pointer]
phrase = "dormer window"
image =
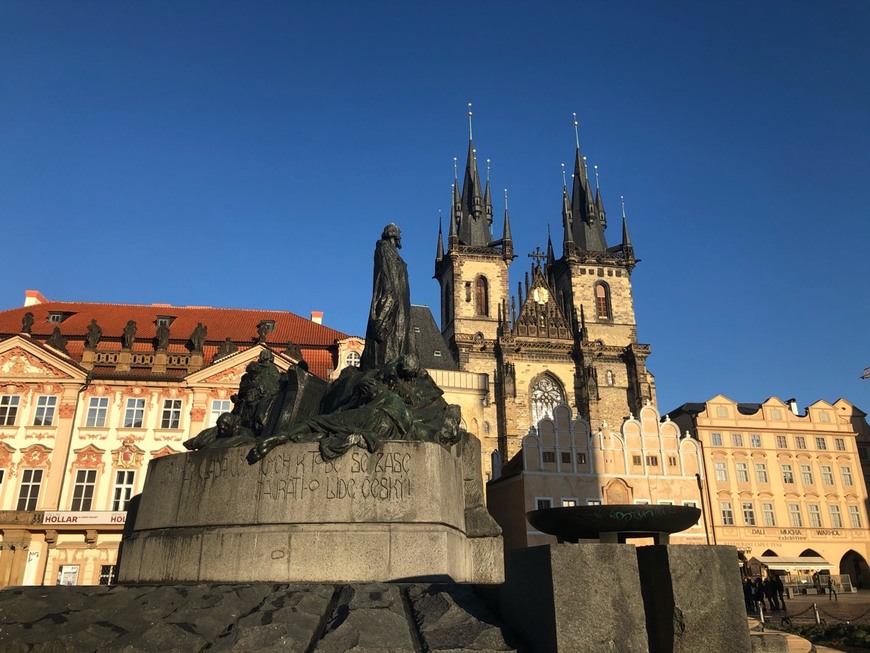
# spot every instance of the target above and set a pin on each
(165, 320)
(56, 317)
(268, 326)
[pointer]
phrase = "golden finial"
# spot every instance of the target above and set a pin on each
(622, 202)
(505, 199)
(470, 136)
(576, 132)
(564, 181)
(597, 186)
(487, 169)
(454, 167)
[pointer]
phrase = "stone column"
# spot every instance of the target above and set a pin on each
(582, 598)
(693, 598)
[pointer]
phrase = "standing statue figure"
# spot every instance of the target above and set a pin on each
(94, 335)
(57, 340)
(27, 322)
(129, 336)
(227, 347)
(262, 331)
(258, 390)
(197, 338)
(162, 340)
(388, 334)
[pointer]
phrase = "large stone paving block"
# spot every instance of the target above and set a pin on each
(576, 598)
(693, 599)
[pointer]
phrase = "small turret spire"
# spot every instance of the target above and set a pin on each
(439, 250)
(551, 256)
(626, 238)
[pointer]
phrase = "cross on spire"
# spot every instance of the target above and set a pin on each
(538, 255)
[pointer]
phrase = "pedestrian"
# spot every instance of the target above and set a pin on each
(832, 590)
(747, 595)
(759, 592)
(780, 590)
(770, 594)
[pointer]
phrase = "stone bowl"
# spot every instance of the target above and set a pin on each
(573, 523)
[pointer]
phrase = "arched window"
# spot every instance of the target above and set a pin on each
(546, 395)
(602, 301)
(481, 296)
(352, 359)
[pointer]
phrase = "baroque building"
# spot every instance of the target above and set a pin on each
(89, 393)
(569, 334)
(785, 488)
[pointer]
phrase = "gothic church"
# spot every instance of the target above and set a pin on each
(569, 334)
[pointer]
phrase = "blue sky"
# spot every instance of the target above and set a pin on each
(248, 154)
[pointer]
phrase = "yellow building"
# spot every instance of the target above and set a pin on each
(784, 486)
(561, 463)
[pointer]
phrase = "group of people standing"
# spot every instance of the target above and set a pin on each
(756, 591)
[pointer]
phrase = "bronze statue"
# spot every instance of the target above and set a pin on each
(262, 331)
(381, 415)
(228, 432)
(27, 322)
(388, 334)
(197, 338)
(129, 336)
(162, 340)
(257, 392)
(93, 336)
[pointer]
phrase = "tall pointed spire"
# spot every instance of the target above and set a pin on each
(568, 243)
(475, 215)
(587, 228)
(626, 238)
(551, 256)
(507, 241)
(439, 250)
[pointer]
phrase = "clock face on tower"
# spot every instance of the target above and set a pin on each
(540, 295)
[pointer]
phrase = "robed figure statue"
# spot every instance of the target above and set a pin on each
(388, 334)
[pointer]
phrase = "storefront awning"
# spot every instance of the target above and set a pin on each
(793, 564)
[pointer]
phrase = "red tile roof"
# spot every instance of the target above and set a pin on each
(240, 325)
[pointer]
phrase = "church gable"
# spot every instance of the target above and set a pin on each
(541, 316)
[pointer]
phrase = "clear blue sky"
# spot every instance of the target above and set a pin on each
(248, 154)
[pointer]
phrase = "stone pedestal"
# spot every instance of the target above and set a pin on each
(397, 514)
(583, 598)
(693, 598)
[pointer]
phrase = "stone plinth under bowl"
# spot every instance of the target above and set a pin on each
(614, 523)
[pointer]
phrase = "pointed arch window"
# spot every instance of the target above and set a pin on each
(602, 301)
(546, 394)
(481, 296)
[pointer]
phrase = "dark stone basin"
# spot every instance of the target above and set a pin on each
(574, 523)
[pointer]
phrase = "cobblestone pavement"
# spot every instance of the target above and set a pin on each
(853, 607)
(256, 617)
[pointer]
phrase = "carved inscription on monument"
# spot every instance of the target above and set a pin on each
(379, 476)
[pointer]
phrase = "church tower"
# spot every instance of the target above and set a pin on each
(569, 334)
(611, 380)
(473, 271)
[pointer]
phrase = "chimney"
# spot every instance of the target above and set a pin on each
(34, 297)
(792, 404)
(317, 317)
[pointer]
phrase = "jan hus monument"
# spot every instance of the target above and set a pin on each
(369, 478)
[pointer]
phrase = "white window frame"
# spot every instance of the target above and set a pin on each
(854, 516)
(742, 472)
(721, 471)
(846, 475)
(540, 500)
(761, 473)
(84, 489)
(814, 514)
(795, 518)
(125, 484)
(821, 443)
(768, 515)
(807, 474)
(727, 513)
(755, 440)
(9, 409)
(31, 480)
(46, 407)
(715, 439)
(569, 502)
(827, 475)
(134, 413)
(787, 473)
(218, 408)
(170, 416)
(98, 411)
(836, 515)
(748, 513)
